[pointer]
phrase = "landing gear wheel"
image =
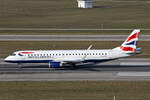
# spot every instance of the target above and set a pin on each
(20, 66)
(74, 67)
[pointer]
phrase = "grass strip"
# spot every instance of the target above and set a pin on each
(65, 14)
(79, 90)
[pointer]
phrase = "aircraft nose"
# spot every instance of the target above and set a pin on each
(7, 59)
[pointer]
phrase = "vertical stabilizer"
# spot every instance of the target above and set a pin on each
(130, 44)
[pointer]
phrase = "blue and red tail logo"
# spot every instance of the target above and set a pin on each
(131, 42)
(134, 36)
(127, 48)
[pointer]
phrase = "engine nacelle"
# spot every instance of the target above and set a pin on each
(138, 50)
(55, 64)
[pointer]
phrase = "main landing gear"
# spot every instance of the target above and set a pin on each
(73, 66)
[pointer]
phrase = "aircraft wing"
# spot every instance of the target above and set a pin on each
(69, 60)
(72, 60)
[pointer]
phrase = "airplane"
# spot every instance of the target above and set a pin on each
(60, 58)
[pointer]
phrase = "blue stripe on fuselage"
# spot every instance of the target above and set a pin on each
(47, 61)
(28, 61)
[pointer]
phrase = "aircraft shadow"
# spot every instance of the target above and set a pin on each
(93, 67)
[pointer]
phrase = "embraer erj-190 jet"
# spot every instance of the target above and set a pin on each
(60, 58)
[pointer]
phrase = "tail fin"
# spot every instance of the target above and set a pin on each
(130, 44)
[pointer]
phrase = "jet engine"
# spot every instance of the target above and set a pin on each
(55, 64)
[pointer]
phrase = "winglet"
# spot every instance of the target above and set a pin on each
(89, 47)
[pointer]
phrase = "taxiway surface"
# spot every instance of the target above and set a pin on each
(69, 37)
(123, 69)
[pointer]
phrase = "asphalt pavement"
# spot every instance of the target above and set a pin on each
(69, 37)
(123, 69)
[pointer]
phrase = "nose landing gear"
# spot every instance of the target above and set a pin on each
(20, 65)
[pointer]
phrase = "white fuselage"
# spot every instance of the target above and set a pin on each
(75, 56)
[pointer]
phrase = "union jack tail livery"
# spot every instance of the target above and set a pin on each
(130, 44)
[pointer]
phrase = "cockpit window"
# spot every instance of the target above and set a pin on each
(13, 54)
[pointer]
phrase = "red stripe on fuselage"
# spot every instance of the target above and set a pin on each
(26, 52)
